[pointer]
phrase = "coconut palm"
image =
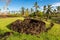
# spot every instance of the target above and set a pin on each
(44, 9)
(8, 10)
(32, 10)
(49, 11)
(22, 10)
(58, 8)
(54, 11)
(0, 11)
(27, 12)
(36, 7)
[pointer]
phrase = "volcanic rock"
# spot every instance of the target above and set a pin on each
(28, 26)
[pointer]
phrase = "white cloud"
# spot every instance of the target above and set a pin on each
(56, 4)
(41, 8)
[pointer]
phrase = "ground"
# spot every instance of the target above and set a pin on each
(53, 34)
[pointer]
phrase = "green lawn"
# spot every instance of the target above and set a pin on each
(6, 21)
(53, 34)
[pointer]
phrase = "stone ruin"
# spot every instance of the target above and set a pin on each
(29, 26)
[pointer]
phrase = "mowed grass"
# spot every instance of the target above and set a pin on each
(6, 21)
(53, 34)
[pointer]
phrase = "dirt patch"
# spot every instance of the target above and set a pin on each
(28, 26)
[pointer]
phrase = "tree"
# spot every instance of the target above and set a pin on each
(54, 10)
(40, 14)
(8, 10)
(48, 11)
(32, 10)
(58, 9)
(0, 10)
(27, 12)
(36, 7)
(44, 9)
(22, 10)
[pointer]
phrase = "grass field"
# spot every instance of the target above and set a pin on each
(53, 34)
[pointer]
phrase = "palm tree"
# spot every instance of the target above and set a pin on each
(36, 7)
(32, 10)
(22, 10)
(0, 11)
(58, 9)
(8, 10)
(54, 11)
(48, 11)
(27, 12)
(44, 9)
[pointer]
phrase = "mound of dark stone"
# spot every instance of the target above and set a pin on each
(28, 26)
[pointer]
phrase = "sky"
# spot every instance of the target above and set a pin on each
(16, 5)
